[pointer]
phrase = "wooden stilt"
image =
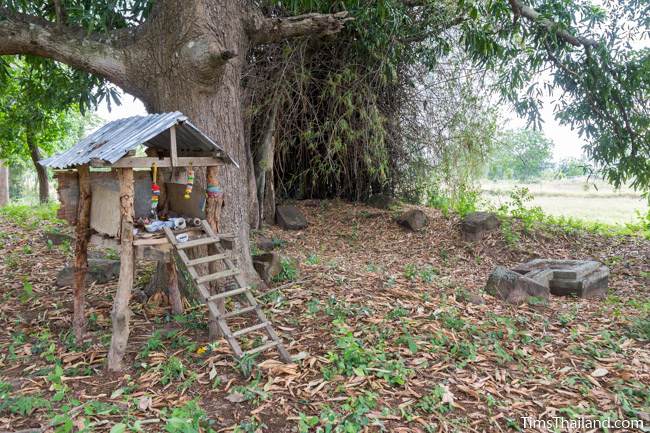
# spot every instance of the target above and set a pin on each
(175, 300)
(213, 207)
(121, 313)
(82, 236)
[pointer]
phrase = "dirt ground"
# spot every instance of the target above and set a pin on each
(386, 326)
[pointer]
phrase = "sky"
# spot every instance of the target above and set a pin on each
(567, 142)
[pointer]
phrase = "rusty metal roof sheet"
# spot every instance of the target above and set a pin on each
(115, 139)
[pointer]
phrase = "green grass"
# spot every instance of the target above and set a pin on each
(31, 217)
(575, 199)
(520, 206)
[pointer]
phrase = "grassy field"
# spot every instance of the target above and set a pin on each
(594, 201)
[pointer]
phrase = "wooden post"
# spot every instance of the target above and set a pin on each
(173, 151)
(213, 207)
(82, 236)
(175, 299)
(121, 313)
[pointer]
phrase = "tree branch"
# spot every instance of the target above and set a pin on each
(262, 30)
(531, 14)
(24, 34)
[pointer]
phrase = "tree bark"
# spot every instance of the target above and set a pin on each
(41, 172)
(4, 184)
(121, 313)
(264, 169)
(82, 236)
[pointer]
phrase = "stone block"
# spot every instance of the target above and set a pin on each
(381, 201)
(290, 218)
(539, 277)
(476, 225)
(267, 265)
(413, 219)
(501, 282)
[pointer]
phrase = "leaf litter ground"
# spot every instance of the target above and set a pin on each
(387, 327)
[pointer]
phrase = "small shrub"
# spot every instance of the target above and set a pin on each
(289, 271)
(189, 418)
(312, 259)
(171, 370)
(24, 405)
(640, 329)
(31, 217)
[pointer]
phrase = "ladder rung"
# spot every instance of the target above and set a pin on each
(196, 243)
(217, 275)
(250, 329)
(239, 312)
(262, 348)
(209, 259)
(228, 293)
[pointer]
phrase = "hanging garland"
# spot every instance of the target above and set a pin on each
(190, 183)
(155, 190)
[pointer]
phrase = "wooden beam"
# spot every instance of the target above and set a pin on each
(82, 236)
(147, 161)
(120, 314)
(149, 253)
(173, 151)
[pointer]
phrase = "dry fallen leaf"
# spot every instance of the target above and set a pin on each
(275, 367)
(599, 372)
(235, 397)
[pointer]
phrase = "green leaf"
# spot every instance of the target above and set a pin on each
(118, 428)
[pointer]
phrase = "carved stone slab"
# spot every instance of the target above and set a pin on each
(539, 277)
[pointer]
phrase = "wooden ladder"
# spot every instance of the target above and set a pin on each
(240, 289)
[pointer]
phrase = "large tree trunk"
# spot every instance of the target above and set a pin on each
(264, 169)
(4, 184)
(211, 98)
(188, 56)
(41, 172)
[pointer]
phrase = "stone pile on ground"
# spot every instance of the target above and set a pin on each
(539, 278)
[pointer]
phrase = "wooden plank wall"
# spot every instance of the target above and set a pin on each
(68, 190)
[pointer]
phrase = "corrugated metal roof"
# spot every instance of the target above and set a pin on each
(115, 139)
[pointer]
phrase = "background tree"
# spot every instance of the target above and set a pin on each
(192, 55)
(572, 167)
(352, 117)
(520, 155)
(37, 115)
(4, 184)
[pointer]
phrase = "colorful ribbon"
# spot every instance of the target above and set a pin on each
(190, 183)
(214, 191)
